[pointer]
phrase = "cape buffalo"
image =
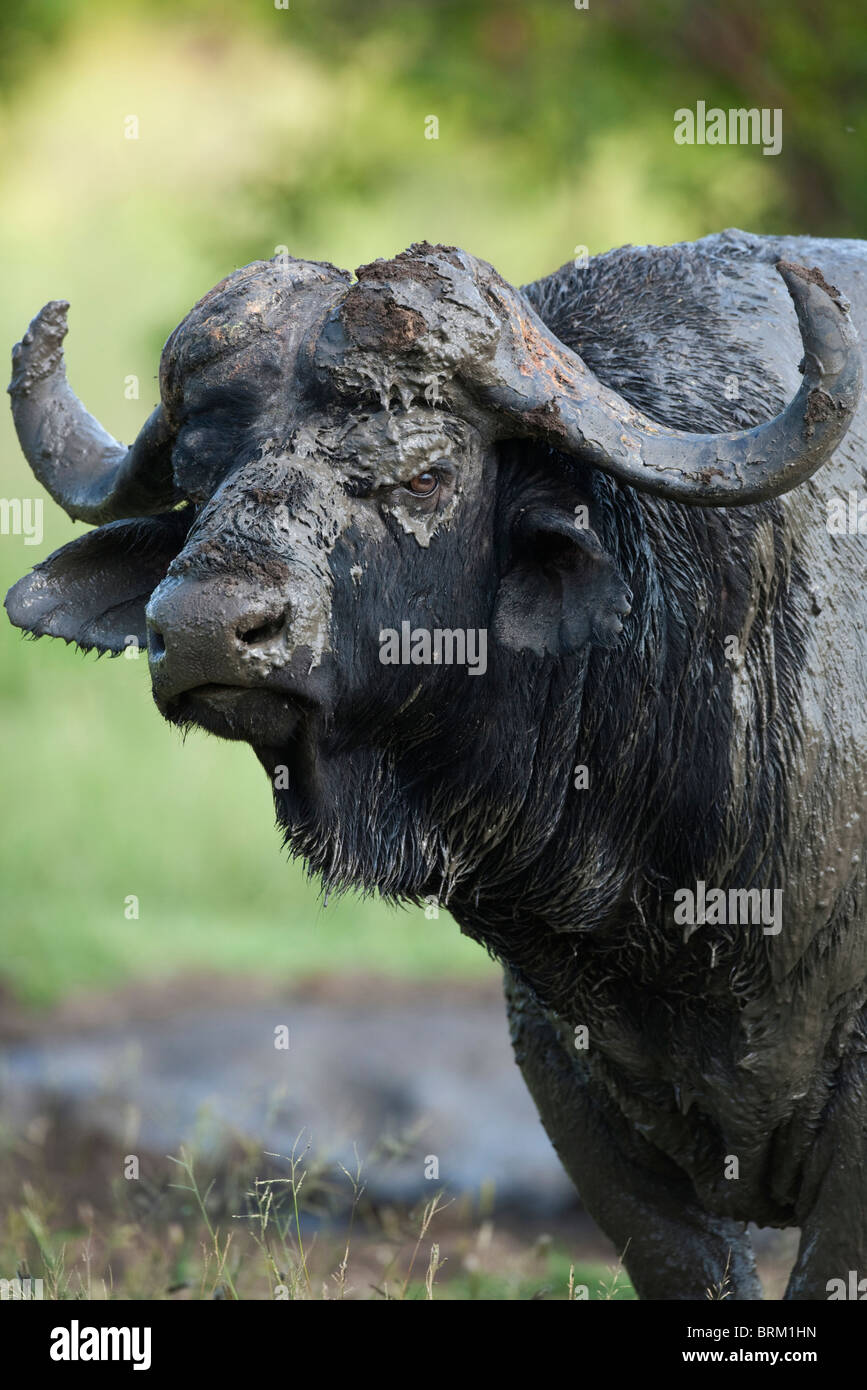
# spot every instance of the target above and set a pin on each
(648, 805)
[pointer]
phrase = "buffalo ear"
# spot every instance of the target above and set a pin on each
(562, 590)
(94, 590)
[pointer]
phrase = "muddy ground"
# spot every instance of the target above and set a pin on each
(402, 1089)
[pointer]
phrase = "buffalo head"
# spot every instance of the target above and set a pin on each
(334, 458)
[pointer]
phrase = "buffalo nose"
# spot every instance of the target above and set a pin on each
(266, 630)
(200, 632)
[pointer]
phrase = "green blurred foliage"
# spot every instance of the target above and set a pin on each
(305, 127)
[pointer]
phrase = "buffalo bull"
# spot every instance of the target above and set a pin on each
(649, 803)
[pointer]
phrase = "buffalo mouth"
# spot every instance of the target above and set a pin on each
(246, 714)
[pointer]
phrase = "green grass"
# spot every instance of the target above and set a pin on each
(301, 1232)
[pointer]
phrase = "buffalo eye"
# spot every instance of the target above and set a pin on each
(431, 485)
(423, 484)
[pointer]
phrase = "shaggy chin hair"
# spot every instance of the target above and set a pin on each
(370, 834)
(463, 809)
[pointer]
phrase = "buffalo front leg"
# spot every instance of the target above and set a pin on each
(671, 1247)
(832, 1211)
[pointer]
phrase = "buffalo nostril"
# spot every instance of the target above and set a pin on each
(255, 636)
(156, 642)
